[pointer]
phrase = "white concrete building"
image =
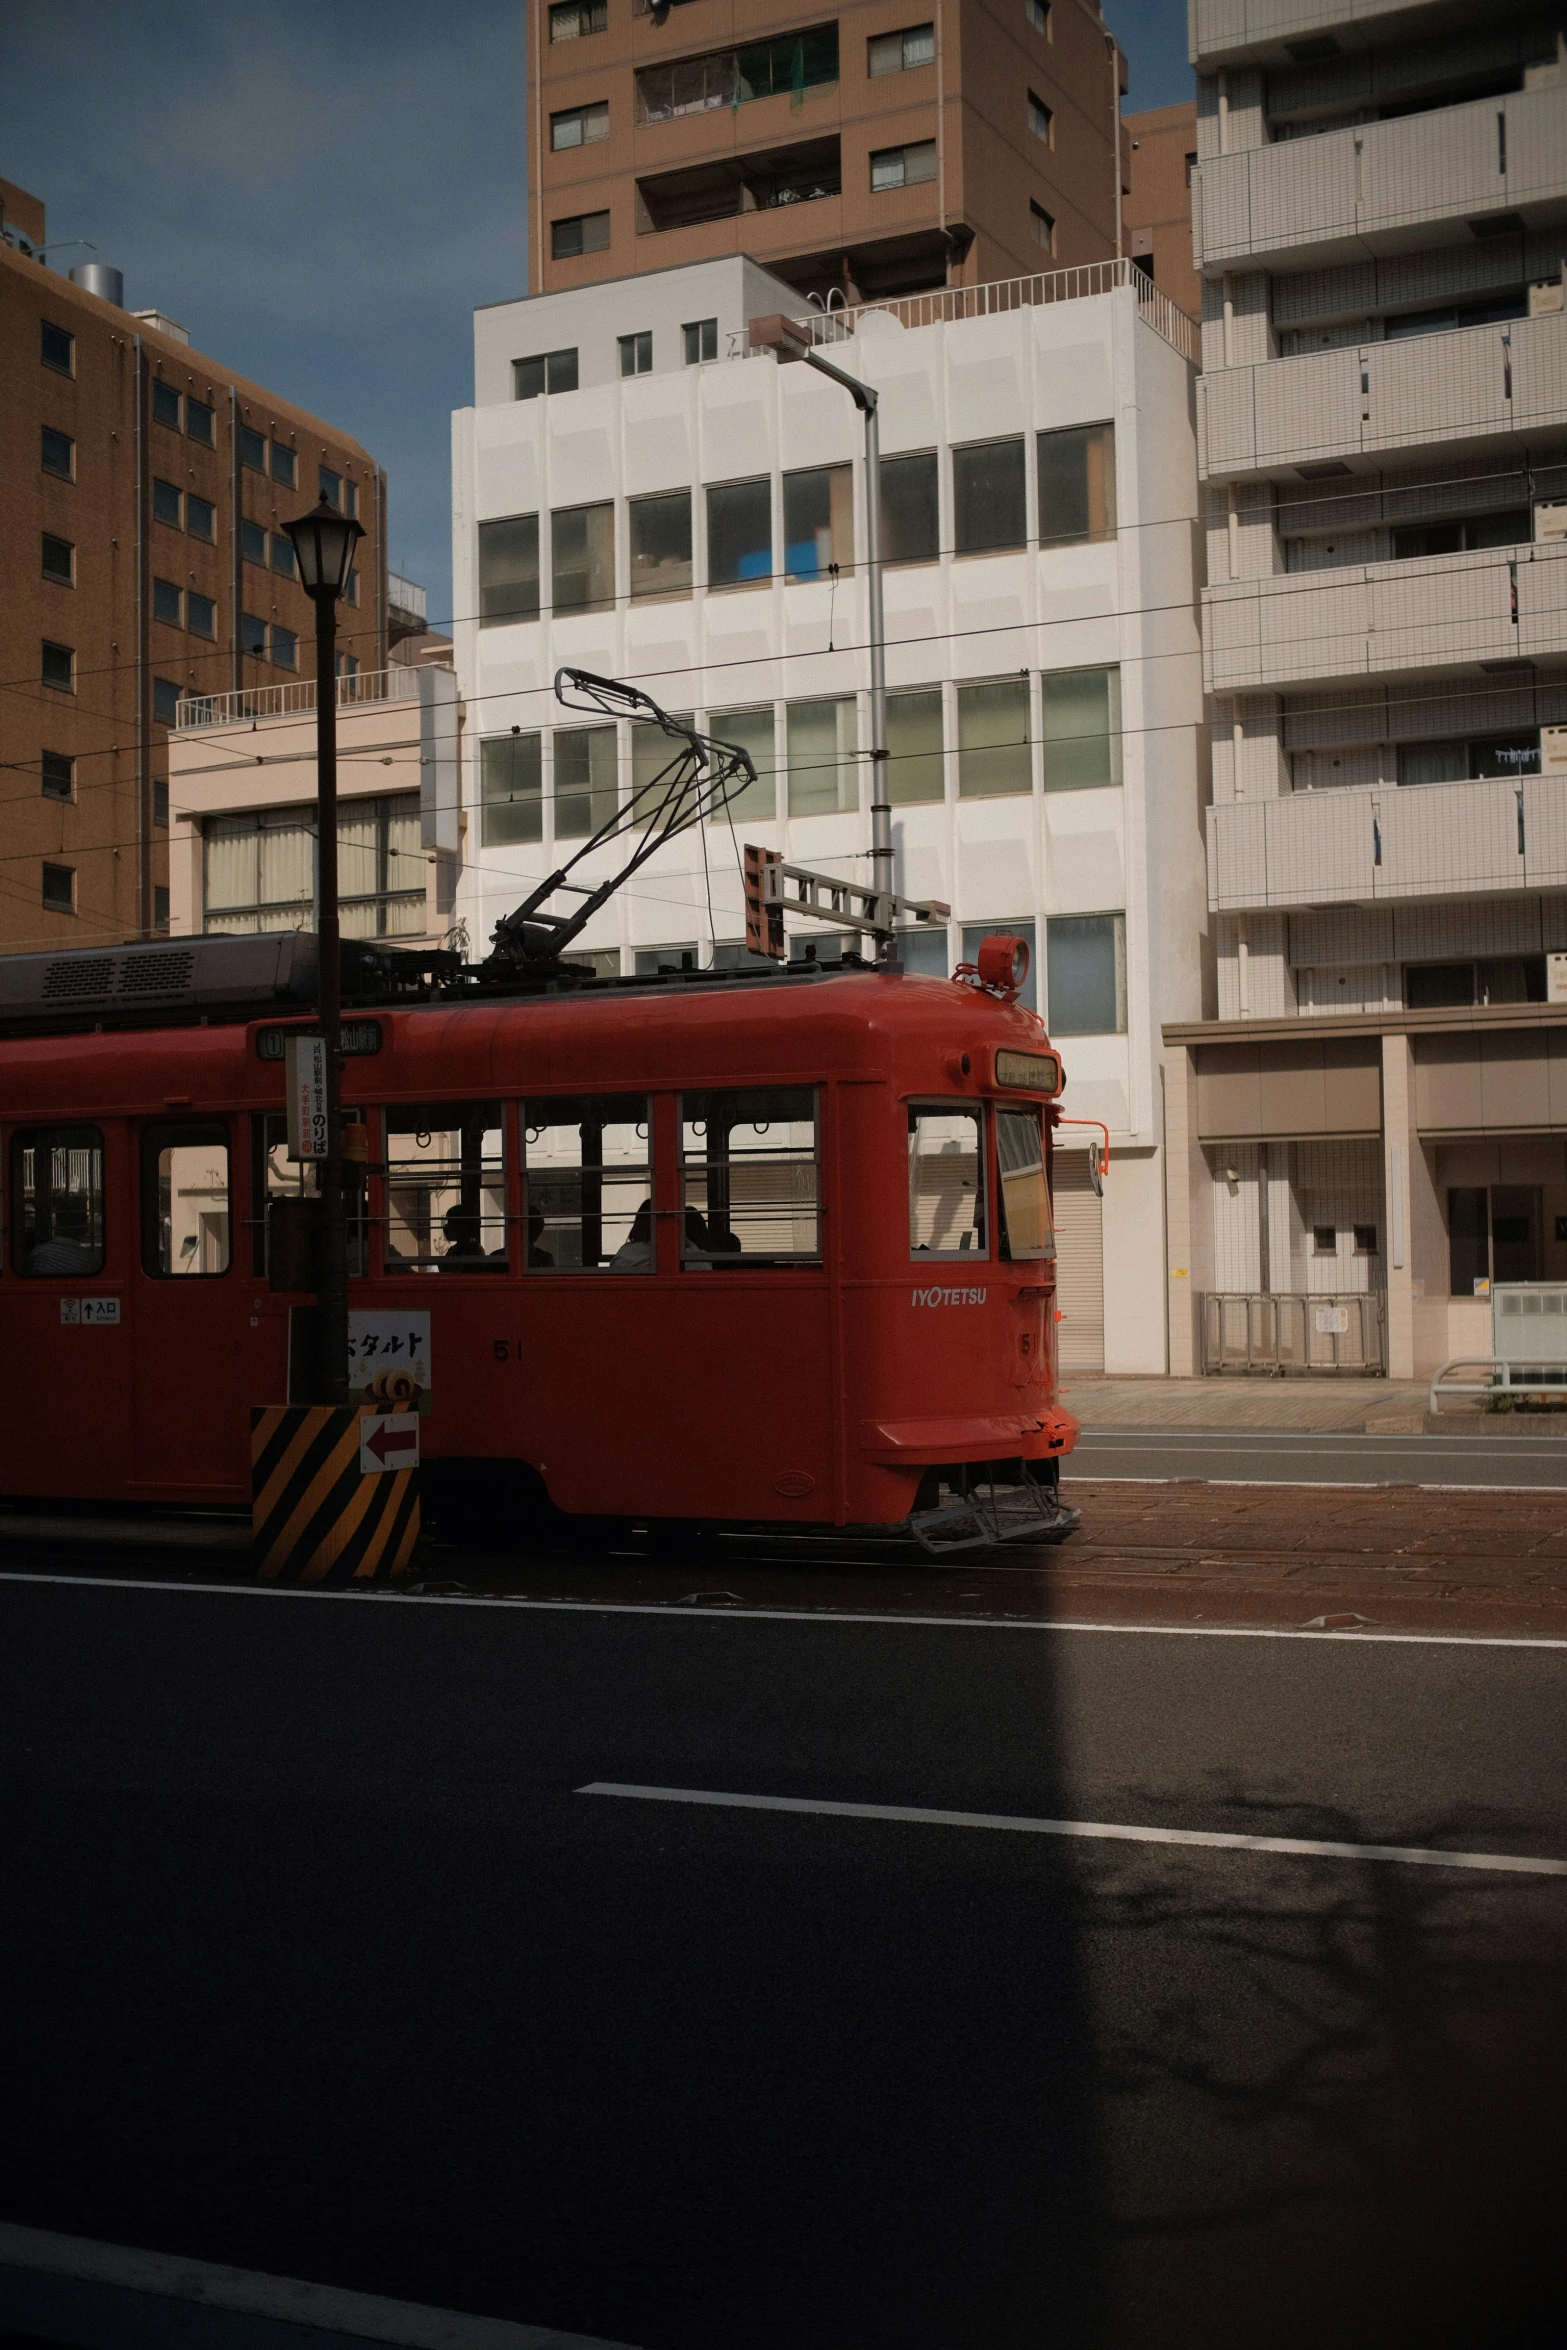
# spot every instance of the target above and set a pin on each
(1372, 1128)
(634, 493)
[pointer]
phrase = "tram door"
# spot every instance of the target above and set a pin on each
(192, 1416)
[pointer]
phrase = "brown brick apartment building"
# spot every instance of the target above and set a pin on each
(1158, 204)
(881, 147)
(143, 489)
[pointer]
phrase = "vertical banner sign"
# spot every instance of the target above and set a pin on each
(304, 1062)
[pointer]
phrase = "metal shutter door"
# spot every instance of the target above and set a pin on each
(1080, 1267)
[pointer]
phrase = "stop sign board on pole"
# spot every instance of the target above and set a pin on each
(304, 1063)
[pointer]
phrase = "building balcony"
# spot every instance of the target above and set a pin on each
(1224, 29)
(1474, 384)
(1385, 619)
(1374, 846)
(1374, 187)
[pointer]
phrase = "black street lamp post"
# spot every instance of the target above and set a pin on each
(324, 546)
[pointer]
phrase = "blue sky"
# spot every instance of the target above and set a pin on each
(322, 192)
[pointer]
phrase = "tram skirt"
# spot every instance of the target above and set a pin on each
(316, 1517)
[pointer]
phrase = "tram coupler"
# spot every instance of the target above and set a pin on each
(987, 1503)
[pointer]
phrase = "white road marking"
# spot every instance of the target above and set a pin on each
(1094, 1831)
(249, 2293)
(387, 1594)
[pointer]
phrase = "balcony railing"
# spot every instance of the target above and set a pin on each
(1375, 181)
(946, 305)
(1386, 619)
(406, 595)
(1370, 844)
(196, 712)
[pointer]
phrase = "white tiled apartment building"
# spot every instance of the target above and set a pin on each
(1375, 1125)
(636, 494)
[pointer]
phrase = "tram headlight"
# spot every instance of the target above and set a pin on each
(1003, 961)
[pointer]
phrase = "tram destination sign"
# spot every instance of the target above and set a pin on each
(304, 1064)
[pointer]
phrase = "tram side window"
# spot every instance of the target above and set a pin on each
(275, 1176)
(946, 1187)
(748, 1171)
(445, 1188)
(587, 1165)
(1024, 1206)
(185, 1199)
(57, 1201)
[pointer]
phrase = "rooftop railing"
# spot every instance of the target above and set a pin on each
(406, 594)
(946, 305)
(397, 684)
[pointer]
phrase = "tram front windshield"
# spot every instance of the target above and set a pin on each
(1026, 1227)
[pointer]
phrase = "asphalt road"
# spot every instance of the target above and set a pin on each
(319, 1961)
(1311, 1458)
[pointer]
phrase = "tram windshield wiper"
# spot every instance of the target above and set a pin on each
(699, 777)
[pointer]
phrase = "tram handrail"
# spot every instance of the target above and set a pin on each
(699, 778)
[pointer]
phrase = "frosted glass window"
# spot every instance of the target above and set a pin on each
(1086, 980)
(586, 779)
(661, 544)
(756, 803)
(508, 570)
(994, 758)
(910, 509)
(1076, 485)
(582, 556)
(989, 501)
(916, 769)
(823, 767)
(1080, 715)
(511, 790)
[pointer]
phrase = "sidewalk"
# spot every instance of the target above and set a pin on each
(1373, 1407)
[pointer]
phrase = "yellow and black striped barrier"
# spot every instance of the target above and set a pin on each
(329, 1502)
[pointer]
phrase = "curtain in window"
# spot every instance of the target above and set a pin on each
(230, 843)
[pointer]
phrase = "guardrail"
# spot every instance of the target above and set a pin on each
(399, 683)
(1284, 1331)
(948, 304)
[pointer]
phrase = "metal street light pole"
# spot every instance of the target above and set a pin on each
(787, 340)
(324, 544)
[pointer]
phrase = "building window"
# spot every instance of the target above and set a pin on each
(1365, 1240)
(165, 404)
(1041, 226)
(253, 543)
(582, 559)
(1038, 14)
(58, 454)
(57, 349)
(903, 167)
(573, 20)
(508, 570)
(166, 503)
(587, 780)
(916, 769)
(201, 615)
(582, 232)
(59, 560)
(165, 700)
(753, 731)
(580, 126)
(994, 757)
(1511, 526)
(253, 636)
(1040, 120)
(1080, 719)
(660, 544)
(283, 555)
(252, 449)
(58, 776)
(285, 647)
(818, 514)
(1324, 1240)
(331, 486)
(1496, 979)
(60, 889)
(59, 667)
(1076, 485)
(1458, 762)
(160, 906)
(989, 498)
(636, 354)
(160, 802)
(351, 589)
(511, 791)
(700, 336)
(351, 500)
(550, 371)
(724, 79)
(1191, 166)
(200, 424)
(824, 768)
(910, 509)
(285, 466)
(1085, 977)
(167, 603)
(739, 533)
(259, 870)
(900, 52)
(201, 518)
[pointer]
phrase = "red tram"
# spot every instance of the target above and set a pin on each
(768, 1248)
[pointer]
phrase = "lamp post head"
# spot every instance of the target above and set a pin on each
(324, 546)
(786, 338)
